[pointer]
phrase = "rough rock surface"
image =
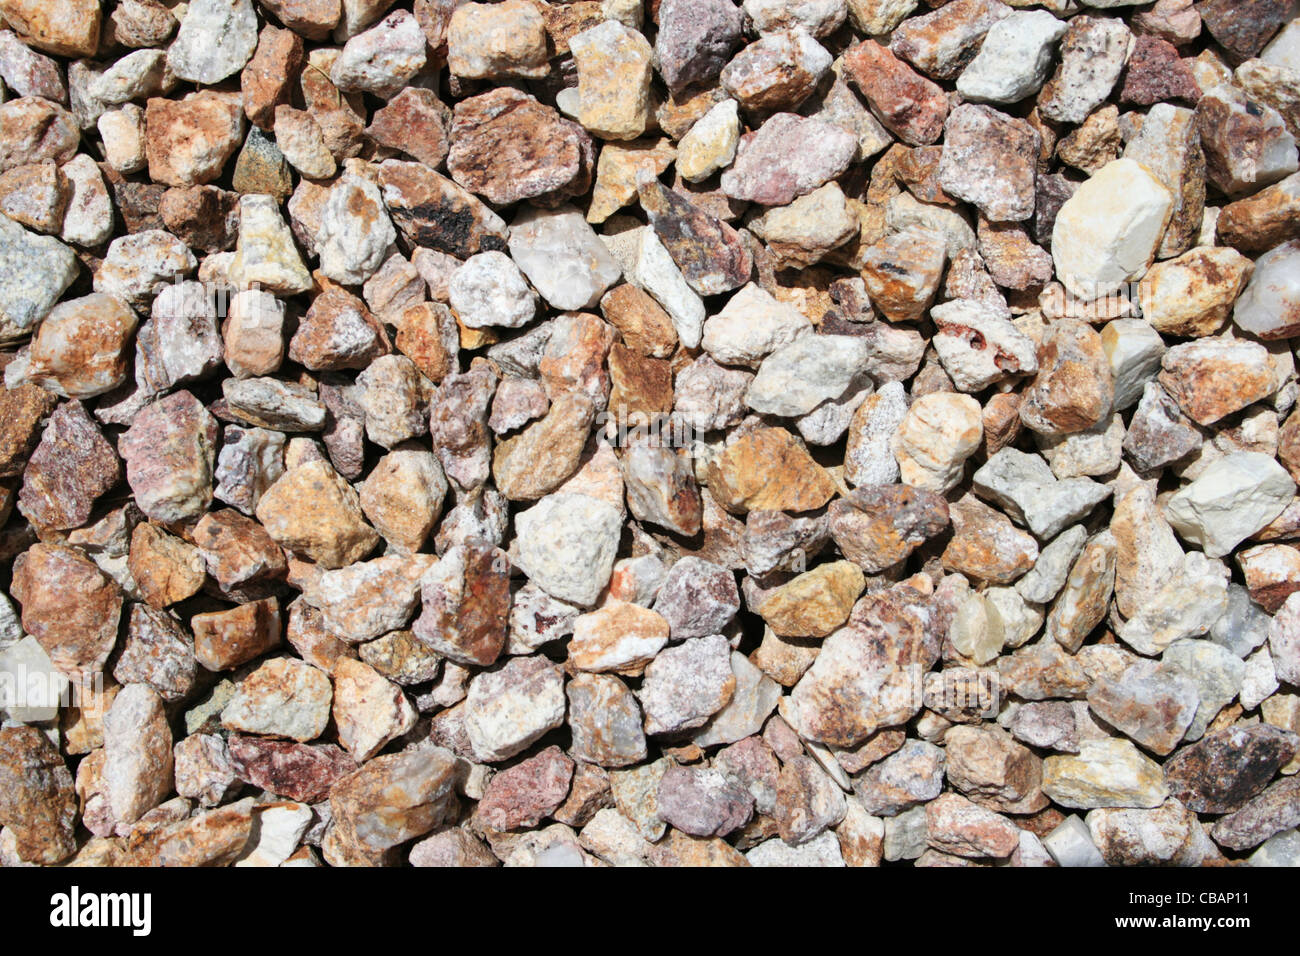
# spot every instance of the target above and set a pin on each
(670, 433)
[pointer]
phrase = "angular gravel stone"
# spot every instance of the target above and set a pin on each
(509, 708)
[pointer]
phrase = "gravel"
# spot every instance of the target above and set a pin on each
(692, 433)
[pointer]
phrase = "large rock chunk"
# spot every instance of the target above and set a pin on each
(865, 676)
(170, 450)
(1108, 232)
(1232, 499)
(509, 708)
(69, 605)
(312, 510)
(37, 803)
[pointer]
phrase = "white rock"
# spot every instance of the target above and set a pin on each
(32, 686)
(1134, 350)
(1107, 233)
(34, 272)
(973, 633)
(1184, 606)
(1243, 626)
(567, 544)
(907, 835)
(818, 17)
(89, 217)
(1259, 680)
(1217, 673)
(978, 345)
(1284, 49)
(563, 257)
(382, 59)
(265, 253)
(1232, 499)
(1091, 453)
(1280, 850)
(1270, 305)
(489, 290)
(938, 433)
(216, 38)
(278, 829)
(823, 850)
(814, 368)
(1091, 63)
(654, 271)
(122, 132)
(1018, 619)
(1046, 578)
(356, 235)
(509, 707)
(1025, 487)
(869, 458)
(135, 75)
(1070, 844)
(752, 325)
(1015, 59)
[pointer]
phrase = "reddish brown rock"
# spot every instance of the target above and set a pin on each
(956, 825)
(985, 545)
(414, 121)
(1073, 390)
(466, 604)
(69, 605)
(240, 556)
(645, 326)
(1223, 770)
(164, 567)
(170, 450)
(712, 256)
(72, 466)
(203, 217)
(304, 772)
(269, 77)
(432, 211)
(907, 103)
(527, 793)
(1263, 221)
(62, 27)
(1242, 27)
(506, 146)
(337, 332)
(1156, 74)
(225, 639)
(1212, 378)
(190, 140)
(38, 805)
(21, 412)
